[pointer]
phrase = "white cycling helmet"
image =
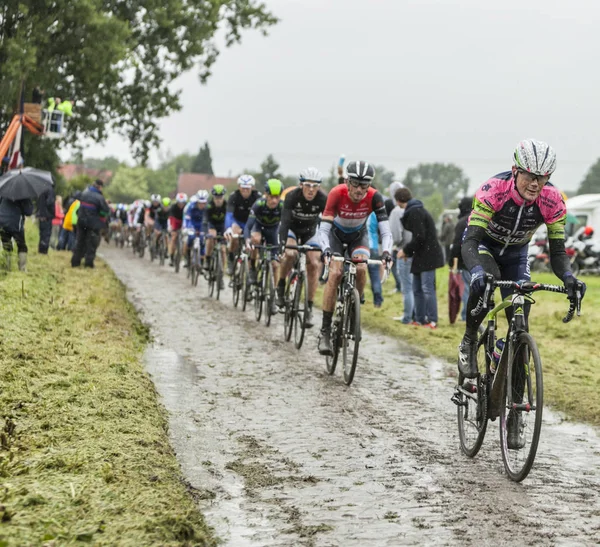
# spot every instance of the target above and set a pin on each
(246, 181)
(311, 174)
(535, 157)
(202, 196)
(155, 197)
(181, 198)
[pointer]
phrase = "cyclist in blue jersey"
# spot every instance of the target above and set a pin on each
(193, 221)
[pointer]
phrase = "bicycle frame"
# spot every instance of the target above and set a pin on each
(502, 376)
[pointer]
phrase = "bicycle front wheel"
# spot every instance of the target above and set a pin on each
(258, 294)
(521, 415)
(217, 270)
(351, 334)
(290, 295)
(269, 293)
(471, 400)
(300, 309)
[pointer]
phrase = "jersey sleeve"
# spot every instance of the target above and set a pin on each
(554, 211)
(378, 207)
(483, 210)
(333, 200)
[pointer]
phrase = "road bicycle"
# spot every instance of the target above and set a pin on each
(178, 251)
(264, 288)
(511, 390)
(195, 257)
(296, 296)
(346, 331)
(213, 272)
(239, 279)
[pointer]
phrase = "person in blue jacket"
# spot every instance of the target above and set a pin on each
(374, 269)
(193, 221)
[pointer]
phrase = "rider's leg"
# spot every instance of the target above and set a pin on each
(210, 242)
(361, 269)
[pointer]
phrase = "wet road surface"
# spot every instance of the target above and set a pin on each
(280, 453)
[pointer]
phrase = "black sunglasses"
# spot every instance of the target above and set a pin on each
(357, 183)
(533, 177)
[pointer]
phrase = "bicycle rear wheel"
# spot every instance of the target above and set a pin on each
(300, 308)
(524, 402)
(471, 400)
(290, 296)
(211, 279)
(351, 335)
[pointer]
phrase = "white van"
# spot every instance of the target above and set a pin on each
(583, 210)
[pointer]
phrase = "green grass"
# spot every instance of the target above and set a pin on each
(84, 451)
(570, 359)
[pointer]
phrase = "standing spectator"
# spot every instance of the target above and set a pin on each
(456, 262)
(427, 256)
(57, 222)
(402, 237)
(447, 235)
(12, 226)
(45, 215)
(66, 240)
(92, 215)
(374, 269)
(390, 205)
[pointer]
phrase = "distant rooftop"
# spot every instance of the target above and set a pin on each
(190, 183)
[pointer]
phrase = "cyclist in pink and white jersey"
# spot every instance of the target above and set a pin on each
(507, 210)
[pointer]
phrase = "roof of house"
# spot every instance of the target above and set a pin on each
(70, 170)
(190, 183)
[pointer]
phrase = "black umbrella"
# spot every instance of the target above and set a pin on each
(27, 183)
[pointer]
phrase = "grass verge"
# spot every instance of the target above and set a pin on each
(570, 360)
(84, 451)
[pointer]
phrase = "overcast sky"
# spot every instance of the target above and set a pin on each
(398, 82)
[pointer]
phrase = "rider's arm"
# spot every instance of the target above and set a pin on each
(324, 231)
(476, 226)
(229, 211)
(286, 220)
(251, 222)
(558, 256)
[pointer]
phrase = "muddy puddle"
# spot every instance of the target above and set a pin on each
(283, 454)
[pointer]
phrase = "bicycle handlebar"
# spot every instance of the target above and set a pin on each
(357, 261)
(302, 248)
(527, 287)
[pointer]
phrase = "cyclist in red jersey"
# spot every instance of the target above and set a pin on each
(344, 222)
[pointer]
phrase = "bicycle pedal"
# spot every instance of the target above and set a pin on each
(457, 400)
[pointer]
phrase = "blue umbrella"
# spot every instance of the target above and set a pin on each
(26, 183)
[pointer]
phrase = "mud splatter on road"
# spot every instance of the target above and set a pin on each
(279, 453)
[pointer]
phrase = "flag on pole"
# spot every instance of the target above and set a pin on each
(16, 155)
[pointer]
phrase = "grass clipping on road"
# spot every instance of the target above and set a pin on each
(84, 451)
(570, 360)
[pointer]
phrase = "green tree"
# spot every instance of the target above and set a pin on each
(383, 178)
(203, 161)
(434, 203)
(591, 182)
(182, 163)
(106, 164)
(163, 181)
(429, 178)
(269, 169)
(128, 184)
(118, 60)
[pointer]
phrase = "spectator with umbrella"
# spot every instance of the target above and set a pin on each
(91, 220)
(17, 189)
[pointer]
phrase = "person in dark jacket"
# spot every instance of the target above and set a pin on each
(45, 214)
(12, 226)
(92, 217)
(427, 255)
(456, 262)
